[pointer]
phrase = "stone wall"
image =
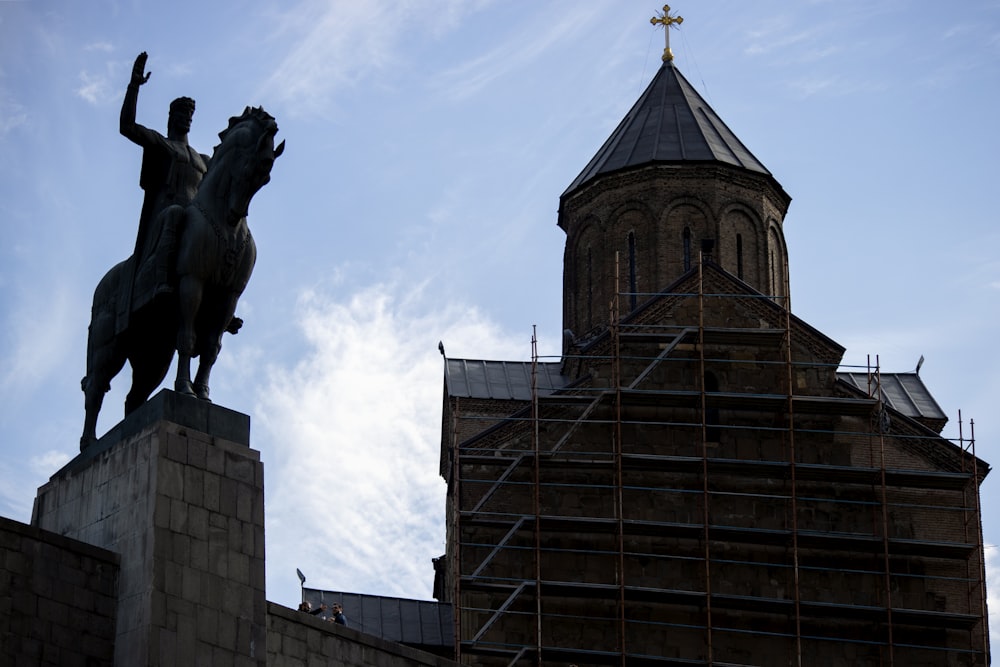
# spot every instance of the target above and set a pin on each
(296, 639)
(57, 599)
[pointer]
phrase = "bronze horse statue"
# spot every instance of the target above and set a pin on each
(215, 256)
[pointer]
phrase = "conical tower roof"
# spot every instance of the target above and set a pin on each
(669, 124)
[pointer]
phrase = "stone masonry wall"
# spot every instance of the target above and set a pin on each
(57, 599)
(180, 496)
(296, 639)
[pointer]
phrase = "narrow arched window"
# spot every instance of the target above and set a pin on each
(687, 249)
(632, 286)
(773, 265)
(590, 288)
(739, 256)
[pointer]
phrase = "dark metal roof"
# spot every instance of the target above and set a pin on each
(509, 380)
(670, 123)
(418, 623)
(903, 392)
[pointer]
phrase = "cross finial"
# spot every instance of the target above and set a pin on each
(667, 21)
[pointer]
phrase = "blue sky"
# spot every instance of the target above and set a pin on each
(427, 145)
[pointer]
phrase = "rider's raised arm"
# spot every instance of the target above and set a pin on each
(126, 124)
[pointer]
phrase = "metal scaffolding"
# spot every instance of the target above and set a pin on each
(703, 497)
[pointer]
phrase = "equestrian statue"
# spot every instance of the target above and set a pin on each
(192, 260)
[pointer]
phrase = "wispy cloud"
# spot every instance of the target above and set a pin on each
(103, 47)
(37, 334)
(774, 36)
(340, 42)
(351, 436)
(12, 115)
(95, 88)
(834, 85)
(520, 50)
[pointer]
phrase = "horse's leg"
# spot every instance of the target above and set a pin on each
(211, 343)
(95, 386)
(150, 365)
(206, 359)
(189, 294)
(210, 340)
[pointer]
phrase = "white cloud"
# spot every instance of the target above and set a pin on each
(351, 440)
(95, 88)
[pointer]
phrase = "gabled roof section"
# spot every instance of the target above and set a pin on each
(720, 282)
(670, 123)
(904, 392)
(501, 380)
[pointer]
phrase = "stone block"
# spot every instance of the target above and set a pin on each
(198, 557)
(246, 538)
(228, 493)
(210, 491)
(180, 548)
(191, 587)
(194, 485)
(238, 568)
(240, 468)
(167, 650)
(178, 516)
(197, 455)
(53, 611)
(177, 446)
(170, 479)
(244, 502)
(226, 628)
(197, 523)
(215, 460)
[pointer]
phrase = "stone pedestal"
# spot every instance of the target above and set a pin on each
(175, 490)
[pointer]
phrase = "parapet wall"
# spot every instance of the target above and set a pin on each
(57, 599)
(297, 639)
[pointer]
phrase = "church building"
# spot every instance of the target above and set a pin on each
(697, 481)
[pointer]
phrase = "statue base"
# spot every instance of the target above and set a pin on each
(176, 490)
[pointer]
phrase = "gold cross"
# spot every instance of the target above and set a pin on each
(667, 21)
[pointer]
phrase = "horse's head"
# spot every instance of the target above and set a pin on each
(246, 154)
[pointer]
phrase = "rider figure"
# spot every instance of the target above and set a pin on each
(171, 173)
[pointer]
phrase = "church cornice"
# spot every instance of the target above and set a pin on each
(700, 182)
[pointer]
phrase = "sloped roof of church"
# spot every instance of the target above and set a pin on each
(511, 380)
(904, 392)
(670, 123)
(501, 380)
